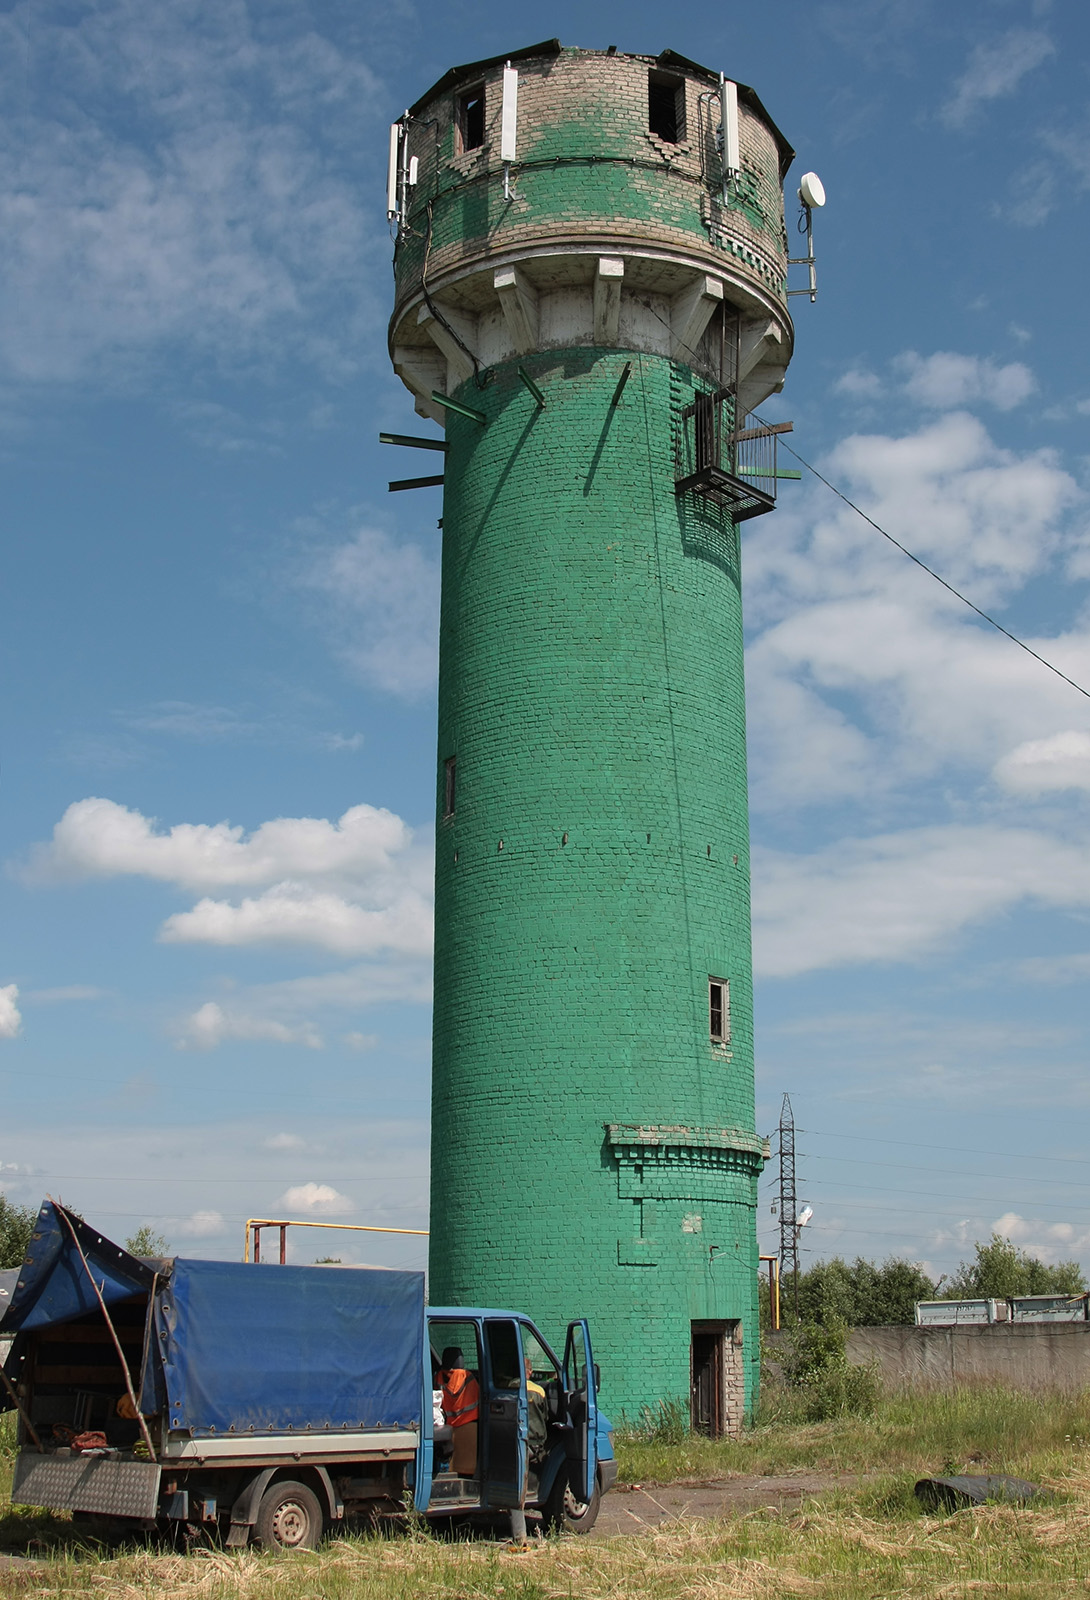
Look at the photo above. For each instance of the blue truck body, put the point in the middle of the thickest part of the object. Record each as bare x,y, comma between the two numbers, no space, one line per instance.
277,1400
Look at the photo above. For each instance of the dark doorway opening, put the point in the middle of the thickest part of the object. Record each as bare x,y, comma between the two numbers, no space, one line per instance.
706,1400
716,1382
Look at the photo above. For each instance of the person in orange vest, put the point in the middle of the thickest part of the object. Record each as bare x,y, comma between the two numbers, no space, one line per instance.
461,1409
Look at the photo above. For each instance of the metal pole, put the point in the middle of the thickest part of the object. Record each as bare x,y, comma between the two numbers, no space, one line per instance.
789,1232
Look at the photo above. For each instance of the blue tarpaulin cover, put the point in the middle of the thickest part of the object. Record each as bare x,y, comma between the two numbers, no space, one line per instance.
269,1348
53,1286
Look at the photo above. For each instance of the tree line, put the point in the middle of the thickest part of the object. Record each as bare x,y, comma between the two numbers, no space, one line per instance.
863,1294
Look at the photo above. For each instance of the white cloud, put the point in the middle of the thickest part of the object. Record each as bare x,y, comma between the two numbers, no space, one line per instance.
284,1141
342,742
183,175
1061,761
211,1025
292,913
317,1199
858,383
1072,968
384,600
361,1041
861,671
189,721
947,380
351,989
1074,146
99,838
994,69
10,1020
899,896
1029,196
199,1225
63,995
1048,1241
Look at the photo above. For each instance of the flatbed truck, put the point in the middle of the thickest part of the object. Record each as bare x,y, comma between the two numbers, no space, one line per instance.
276,1402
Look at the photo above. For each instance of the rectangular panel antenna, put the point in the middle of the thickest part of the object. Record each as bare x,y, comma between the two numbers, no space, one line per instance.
509,115
392,208
732,155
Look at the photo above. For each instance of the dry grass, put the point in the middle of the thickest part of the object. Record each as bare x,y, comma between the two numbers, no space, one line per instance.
826,1554
859,1543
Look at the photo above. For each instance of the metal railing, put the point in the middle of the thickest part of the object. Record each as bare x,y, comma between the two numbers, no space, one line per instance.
735,468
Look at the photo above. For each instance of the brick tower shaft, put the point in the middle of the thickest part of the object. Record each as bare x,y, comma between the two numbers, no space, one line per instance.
600,311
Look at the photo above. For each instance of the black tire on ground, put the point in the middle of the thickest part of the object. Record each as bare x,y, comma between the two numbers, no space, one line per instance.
289,1518
565,1511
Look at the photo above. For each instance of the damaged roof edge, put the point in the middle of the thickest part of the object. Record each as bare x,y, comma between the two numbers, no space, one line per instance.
748,96
547,47
666,58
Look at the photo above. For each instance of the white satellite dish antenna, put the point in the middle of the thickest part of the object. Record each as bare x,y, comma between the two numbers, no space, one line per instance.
812,195
804,1216
811,190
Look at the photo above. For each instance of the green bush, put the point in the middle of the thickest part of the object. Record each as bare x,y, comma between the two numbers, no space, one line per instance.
821,1382
146,1242
16,1227
861,1293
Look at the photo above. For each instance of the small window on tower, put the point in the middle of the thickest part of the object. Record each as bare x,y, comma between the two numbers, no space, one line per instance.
719,1010
448,786
666,106
471,118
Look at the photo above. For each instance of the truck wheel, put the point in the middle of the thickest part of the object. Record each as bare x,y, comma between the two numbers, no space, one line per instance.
564,1510
288,1518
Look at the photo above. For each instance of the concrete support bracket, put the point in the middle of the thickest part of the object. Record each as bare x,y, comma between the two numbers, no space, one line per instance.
607,299
421,371
442,336
519,303
690,314
758,341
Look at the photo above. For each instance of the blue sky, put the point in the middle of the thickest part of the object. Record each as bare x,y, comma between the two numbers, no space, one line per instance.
217,748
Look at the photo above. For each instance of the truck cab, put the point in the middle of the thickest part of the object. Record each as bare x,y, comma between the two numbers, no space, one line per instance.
557,1462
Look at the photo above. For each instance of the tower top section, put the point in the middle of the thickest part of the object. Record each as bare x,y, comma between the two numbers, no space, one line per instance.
558,198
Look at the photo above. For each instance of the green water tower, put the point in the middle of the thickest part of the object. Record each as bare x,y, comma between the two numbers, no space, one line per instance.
591,296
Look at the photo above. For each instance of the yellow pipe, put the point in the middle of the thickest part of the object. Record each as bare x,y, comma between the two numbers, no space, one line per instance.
297,1222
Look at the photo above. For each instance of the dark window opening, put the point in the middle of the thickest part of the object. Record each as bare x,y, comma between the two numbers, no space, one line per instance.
471,118
666,106
448,786
719,1010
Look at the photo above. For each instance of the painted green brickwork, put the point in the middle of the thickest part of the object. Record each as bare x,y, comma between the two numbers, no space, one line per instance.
588,163
594,874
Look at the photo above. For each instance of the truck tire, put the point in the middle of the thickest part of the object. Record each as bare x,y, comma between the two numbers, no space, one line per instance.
565,1511
288,1518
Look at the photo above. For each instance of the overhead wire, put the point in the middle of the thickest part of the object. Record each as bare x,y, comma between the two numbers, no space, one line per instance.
903,548
954,1149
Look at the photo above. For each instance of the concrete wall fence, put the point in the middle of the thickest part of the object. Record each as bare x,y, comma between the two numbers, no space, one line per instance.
1018,1355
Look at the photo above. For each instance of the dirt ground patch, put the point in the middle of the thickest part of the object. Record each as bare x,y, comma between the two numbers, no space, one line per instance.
629,1507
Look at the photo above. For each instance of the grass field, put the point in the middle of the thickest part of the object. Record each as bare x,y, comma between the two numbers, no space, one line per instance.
858,1542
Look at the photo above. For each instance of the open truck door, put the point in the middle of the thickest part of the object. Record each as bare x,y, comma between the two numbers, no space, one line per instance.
504,1413
580,1383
